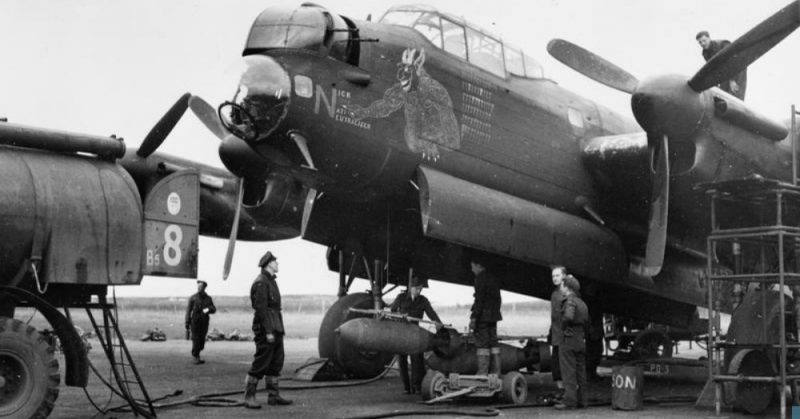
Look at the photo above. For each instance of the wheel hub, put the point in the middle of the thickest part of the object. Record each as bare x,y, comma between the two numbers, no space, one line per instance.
13,378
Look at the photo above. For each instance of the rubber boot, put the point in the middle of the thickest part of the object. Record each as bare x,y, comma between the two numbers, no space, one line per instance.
274,395
483,361
250,387
496,364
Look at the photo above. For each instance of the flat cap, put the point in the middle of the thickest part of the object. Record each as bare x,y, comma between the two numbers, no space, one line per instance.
266,259
200,281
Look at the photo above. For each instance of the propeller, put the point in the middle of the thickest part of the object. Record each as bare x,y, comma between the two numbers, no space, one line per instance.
592,65
659,210
163,127
226,270
669,108
208,116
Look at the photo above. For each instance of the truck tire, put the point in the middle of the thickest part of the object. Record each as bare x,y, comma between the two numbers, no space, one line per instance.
29,376
354,362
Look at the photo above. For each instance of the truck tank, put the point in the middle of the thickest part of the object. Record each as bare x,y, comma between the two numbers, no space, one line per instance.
77,216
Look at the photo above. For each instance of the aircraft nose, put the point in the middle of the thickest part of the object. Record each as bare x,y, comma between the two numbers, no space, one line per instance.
261,101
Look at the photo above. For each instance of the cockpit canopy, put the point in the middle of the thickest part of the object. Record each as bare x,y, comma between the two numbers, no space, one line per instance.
465,41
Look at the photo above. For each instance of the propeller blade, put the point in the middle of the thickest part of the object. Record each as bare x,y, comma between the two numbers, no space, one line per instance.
226,270
208,116
659,209
592,65
748,48
163,127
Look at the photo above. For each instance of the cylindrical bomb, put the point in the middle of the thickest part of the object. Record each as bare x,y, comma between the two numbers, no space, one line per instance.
466,362
385,336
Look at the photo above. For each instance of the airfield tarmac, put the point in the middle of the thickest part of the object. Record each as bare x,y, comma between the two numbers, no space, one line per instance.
165,368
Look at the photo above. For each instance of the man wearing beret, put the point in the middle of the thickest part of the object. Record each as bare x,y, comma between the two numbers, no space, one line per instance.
572,349
265,297
197,318
413,304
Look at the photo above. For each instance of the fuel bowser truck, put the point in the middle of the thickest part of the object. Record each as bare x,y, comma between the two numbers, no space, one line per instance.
73,222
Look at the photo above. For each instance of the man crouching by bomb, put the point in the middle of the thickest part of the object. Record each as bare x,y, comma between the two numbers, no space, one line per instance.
265,298
484,317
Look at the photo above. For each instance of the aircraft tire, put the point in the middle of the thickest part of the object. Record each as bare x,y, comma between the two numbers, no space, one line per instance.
29,376
354,362
753,398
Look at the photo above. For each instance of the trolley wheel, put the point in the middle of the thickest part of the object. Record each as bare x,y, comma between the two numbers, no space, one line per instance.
751,397
29,375
514,388
652,343
353,361
434,385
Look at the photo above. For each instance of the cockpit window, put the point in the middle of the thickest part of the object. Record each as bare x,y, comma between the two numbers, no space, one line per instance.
465,41
428,25
485,52
514,62
455,42
401,17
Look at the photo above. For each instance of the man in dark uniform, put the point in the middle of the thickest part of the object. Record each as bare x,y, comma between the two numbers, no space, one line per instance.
197,317
572,351
265,297
736,86
413,304
556,336
484,318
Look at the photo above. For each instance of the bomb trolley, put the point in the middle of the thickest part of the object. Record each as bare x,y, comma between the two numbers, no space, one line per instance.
452,358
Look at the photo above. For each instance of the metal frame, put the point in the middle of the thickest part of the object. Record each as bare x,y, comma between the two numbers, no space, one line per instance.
772,193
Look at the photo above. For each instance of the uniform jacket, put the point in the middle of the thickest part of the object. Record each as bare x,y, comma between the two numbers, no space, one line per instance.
716,46
194,311
574,323
486,307
265,298
556,301
413,308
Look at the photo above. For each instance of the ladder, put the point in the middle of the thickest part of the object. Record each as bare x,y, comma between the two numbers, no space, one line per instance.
122,366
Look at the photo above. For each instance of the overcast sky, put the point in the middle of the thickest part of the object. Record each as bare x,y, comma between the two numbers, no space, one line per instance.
104,67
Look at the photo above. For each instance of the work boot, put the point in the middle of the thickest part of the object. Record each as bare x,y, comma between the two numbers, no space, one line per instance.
274,395
250,388
198,361
496,363
483,361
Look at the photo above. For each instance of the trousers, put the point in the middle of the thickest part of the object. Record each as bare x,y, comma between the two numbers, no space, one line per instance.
199,331
268,359
417,370
573,373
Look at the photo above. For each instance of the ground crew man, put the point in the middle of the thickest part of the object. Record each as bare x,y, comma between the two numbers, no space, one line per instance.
556,336
265,298
736,86
413,304
198,310
484,318
572,351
